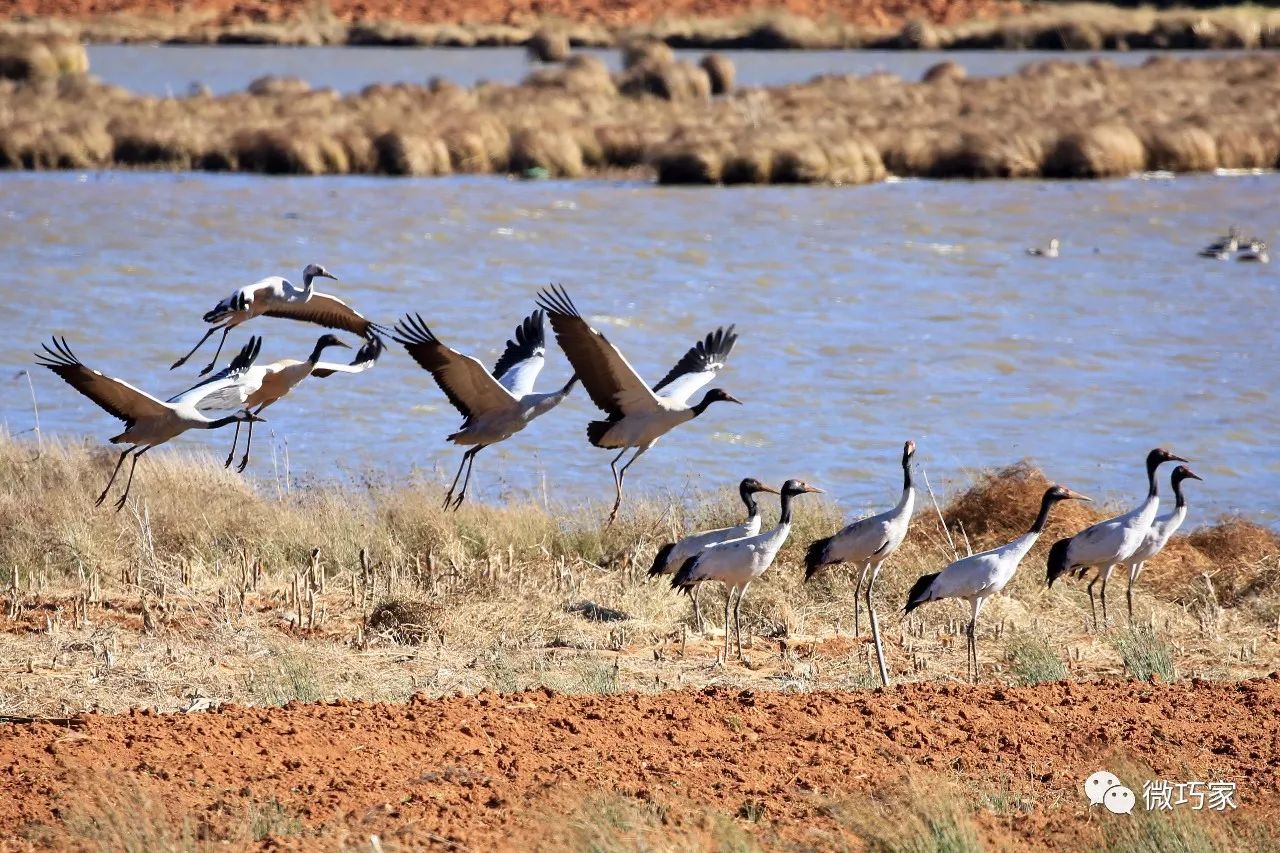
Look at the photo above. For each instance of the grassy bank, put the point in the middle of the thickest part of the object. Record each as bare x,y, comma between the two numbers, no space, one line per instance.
206,589
1012,26
659,117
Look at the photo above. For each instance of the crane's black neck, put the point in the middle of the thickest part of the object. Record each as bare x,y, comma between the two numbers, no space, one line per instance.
1045,505
568,386
785,516
1177,491
315,353
702,406
907,483
221,422
307,278
1153,489
749,498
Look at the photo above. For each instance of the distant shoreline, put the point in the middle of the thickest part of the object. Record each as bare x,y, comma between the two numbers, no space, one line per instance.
1084,26
676,121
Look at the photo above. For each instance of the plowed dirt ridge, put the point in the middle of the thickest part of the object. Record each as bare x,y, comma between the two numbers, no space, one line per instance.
486,771
610,12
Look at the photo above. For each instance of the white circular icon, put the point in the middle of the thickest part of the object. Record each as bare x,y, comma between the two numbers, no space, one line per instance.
1119,800
1096,786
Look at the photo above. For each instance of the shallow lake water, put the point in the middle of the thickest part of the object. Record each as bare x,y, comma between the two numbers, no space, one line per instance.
867,316
170,70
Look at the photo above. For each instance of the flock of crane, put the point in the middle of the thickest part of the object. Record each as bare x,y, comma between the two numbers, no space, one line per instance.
499,403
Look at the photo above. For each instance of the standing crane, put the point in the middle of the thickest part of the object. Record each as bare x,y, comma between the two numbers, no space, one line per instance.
1160,532
673,555
148,421
738,562
1109,542
978,577
637,415
275,296
868,543
494,406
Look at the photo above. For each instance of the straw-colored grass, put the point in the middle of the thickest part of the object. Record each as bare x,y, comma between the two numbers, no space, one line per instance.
575,119
114,610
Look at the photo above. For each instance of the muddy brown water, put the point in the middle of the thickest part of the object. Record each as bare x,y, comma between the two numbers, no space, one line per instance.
867,316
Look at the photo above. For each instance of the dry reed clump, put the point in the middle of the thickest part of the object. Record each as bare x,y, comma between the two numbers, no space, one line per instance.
947,71
646,51
1002,504
720,72
671,81
271,84
1107,151
41,58
548,45
406,620
553,150
411,154
1183,148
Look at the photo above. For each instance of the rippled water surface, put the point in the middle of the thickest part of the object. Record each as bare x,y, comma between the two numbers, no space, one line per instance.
867,316
170,70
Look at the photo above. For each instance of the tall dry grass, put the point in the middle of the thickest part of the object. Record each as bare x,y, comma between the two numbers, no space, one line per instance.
658,116
368,589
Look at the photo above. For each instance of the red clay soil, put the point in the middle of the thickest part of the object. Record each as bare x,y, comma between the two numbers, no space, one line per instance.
875,13
491,772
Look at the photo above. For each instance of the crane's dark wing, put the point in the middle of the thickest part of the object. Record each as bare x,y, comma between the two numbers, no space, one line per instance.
697,367
609,378
521,362
463,379
115,396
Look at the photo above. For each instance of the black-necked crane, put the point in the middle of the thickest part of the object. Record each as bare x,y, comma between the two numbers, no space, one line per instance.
1109,542
1050,251
978,577
638,415
1222,248
275,296
738,562
673,555
1160,532
277,379
148,421
1255,252
868,543
494,406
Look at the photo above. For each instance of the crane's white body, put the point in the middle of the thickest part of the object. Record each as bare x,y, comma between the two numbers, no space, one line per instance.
253,300
978,577
637,414
1160,532
494,406
691,545
738,562
868,542
1115,539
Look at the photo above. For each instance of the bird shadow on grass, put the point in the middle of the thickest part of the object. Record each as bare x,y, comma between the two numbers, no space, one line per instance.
593,612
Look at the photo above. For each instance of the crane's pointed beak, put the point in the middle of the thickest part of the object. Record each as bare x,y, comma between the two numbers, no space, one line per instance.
732,399
327,274
1178,458
769,489
343,343
814,490
1076,496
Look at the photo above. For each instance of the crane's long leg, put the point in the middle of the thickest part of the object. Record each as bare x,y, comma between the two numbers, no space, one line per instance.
857,600
467,479
248,442
102,497
214,363
728,599
1093,609
617,483
234,441
973,635
1135,569
1102,594
448,498
875,629
622,473
129,483
698,621
737,618
208,334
